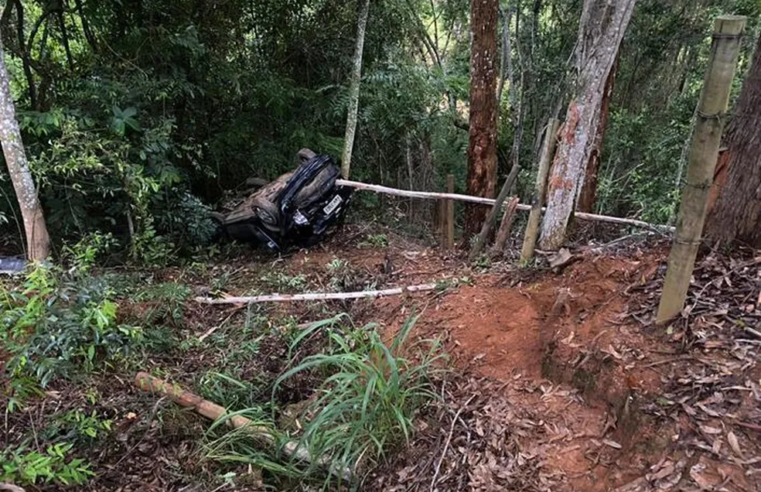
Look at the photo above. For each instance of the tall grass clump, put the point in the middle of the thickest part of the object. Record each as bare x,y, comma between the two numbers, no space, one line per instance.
365,405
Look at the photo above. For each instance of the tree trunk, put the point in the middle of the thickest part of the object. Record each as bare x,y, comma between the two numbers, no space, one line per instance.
602,27
736,216
356,77
588,195
482,144
38,242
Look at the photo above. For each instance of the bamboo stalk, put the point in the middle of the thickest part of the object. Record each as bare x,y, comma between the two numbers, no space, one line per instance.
534,218
490,201
702,162
316,296
212,411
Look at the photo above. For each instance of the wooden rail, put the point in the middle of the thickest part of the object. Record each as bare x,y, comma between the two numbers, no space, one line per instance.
430,195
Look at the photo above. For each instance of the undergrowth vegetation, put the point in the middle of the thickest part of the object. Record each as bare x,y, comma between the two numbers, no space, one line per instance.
361,410
70,331
62,322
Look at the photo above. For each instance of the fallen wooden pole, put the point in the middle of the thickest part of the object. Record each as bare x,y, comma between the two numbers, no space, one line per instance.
326,296
212,411
430,195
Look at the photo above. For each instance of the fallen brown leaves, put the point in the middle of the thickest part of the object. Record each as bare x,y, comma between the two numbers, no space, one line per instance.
713,380
468,441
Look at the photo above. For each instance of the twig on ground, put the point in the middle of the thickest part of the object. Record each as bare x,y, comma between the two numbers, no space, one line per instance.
211,330
752,331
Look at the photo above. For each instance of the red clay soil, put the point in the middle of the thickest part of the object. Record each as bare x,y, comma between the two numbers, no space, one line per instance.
559,345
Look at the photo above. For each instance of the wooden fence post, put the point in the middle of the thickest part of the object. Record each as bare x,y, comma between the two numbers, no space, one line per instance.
534,218
449,243
704,151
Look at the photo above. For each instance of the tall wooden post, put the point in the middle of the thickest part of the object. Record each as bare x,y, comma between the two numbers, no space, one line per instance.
704,152
450,214
535,216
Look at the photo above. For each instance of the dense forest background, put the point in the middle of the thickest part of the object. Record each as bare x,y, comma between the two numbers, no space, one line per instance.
139,115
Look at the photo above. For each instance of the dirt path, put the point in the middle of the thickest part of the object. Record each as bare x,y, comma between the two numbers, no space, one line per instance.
568,354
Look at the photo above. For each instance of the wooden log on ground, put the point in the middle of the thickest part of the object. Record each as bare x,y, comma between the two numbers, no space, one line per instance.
326,296
212,411
490,201
504,228
535,216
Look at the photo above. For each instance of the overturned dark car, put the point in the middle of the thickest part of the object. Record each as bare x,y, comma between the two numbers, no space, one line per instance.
295,210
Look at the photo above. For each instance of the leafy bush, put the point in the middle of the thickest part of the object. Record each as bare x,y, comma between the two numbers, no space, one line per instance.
53,466
60,321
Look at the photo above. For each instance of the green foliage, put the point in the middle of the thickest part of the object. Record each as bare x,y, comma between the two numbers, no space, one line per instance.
364,407
165,303
375,241
155,110
58,321
282,282
360,412
227,390
80,426
51,467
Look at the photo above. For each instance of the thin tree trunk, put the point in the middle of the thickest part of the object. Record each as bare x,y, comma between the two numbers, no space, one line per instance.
588,195
25,53
737,212
85,25
38,241
482,144
506,63
356,77
537,200
65,38
602,27
503,234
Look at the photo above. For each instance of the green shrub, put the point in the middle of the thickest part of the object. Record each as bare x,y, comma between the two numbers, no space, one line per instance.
58,323
53,466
